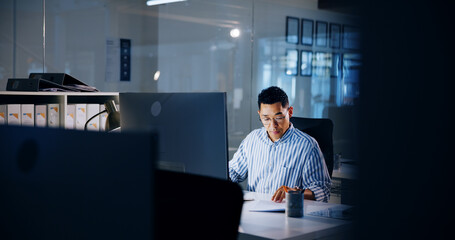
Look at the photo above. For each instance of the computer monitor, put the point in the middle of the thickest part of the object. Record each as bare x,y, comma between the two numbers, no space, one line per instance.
191,128
67,184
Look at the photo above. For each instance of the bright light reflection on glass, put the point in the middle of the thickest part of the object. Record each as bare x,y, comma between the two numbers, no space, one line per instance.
235,33
156,76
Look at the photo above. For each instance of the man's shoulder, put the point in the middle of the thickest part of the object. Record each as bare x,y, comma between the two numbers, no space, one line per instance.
256,133
254,137
303,137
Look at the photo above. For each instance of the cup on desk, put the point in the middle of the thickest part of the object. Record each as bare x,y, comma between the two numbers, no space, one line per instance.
294,204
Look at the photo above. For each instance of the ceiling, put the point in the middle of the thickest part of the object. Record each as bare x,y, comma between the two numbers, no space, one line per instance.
351,7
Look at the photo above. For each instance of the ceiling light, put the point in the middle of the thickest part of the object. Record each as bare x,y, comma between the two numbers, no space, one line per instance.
158,2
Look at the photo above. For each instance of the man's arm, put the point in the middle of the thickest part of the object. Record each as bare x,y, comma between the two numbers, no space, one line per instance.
238,167
316,176
316,179
308,194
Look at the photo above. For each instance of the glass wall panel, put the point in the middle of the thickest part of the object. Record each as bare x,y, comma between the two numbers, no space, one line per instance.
233,46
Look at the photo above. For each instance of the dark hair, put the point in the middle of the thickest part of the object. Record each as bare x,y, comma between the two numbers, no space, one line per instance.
273,95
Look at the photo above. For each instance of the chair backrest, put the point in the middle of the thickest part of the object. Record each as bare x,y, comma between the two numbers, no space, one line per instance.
320,129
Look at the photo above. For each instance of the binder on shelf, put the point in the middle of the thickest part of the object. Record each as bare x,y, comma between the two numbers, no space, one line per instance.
81,116
103,117
94,124
34,85
53,115
14,114
40,115
3,114
64,80
28,115
70,119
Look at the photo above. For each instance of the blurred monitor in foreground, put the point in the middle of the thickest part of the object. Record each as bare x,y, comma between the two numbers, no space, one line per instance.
65,184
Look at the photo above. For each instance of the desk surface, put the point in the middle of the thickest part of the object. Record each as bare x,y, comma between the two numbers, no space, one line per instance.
276,225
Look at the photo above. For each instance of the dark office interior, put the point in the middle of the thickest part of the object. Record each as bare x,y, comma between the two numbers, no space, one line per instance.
390,99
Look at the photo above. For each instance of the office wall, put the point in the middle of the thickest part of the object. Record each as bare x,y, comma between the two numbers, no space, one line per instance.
75,37
310,95
197,53
189,43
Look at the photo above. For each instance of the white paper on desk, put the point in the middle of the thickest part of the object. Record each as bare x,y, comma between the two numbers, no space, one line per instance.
338,211
248,196
268,206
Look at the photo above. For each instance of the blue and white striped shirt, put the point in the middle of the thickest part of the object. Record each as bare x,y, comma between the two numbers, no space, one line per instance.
294,160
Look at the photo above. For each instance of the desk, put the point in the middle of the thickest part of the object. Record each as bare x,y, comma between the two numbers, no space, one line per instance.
276,225
344,183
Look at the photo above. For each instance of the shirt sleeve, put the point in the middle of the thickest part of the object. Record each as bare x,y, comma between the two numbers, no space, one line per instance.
238,166
316,176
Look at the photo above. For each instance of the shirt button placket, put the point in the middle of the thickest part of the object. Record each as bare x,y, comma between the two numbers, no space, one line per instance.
272,156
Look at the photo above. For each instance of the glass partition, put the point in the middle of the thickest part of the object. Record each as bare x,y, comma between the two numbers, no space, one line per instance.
235,46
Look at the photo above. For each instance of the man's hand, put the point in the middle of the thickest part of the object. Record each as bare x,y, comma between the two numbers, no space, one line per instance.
280,193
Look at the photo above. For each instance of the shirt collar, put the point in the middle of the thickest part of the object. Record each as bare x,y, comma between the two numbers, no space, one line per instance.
284,138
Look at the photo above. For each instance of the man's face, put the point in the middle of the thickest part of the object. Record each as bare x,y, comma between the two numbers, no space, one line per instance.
275,119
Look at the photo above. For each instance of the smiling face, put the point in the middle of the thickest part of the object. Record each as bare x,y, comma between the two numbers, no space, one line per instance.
275,119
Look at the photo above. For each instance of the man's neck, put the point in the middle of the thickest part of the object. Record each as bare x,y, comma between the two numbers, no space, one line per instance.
281,135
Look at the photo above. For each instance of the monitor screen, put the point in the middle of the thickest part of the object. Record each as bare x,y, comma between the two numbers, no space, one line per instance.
67,184
191,128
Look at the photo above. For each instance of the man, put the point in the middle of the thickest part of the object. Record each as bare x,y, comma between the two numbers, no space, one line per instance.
279,157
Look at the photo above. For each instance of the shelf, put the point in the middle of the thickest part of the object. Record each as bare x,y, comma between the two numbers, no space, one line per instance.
62,98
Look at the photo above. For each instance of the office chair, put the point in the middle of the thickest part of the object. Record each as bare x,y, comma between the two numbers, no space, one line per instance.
320,129
190,206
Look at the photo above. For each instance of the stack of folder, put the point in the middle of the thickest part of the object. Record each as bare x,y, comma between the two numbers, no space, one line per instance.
48,115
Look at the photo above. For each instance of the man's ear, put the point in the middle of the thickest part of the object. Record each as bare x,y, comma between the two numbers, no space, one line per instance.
290,111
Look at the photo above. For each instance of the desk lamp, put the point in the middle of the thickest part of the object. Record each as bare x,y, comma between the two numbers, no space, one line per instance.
113,117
